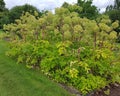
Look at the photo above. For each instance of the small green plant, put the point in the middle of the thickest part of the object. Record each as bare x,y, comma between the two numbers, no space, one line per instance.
107,92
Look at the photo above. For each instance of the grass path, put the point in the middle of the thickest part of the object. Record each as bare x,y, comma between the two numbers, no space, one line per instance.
16,80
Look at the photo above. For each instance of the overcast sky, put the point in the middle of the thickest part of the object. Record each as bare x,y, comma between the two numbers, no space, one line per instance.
51,4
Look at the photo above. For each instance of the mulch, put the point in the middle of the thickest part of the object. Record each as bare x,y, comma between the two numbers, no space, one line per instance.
111,90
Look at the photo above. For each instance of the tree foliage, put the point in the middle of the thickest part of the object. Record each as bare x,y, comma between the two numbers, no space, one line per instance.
3,14
90,11
84,8
114,13
17,11
113,10
2,5
117,4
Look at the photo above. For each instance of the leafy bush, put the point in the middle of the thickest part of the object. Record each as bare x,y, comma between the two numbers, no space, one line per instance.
69,49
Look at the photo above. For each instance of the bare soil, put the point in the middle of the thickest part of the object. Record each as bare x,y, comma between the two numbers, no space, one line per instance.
111,90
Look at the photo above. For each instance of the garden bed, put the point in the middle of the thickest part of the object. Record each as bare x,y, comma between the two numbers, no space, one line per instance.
111,90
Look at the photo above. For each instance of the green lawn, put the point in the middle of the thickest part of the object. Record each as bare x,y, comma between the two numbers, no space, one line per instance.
17,80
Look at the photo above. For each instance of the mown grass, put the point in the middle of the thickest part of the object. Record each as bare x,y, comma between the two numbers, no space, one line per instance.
17,80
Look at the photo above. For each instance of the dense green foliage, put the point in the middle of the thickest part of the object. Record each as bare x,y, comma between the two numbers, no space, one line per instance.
16,80
69,49
2,5
84,8
17,11
88,10
115,6
113,11
3,14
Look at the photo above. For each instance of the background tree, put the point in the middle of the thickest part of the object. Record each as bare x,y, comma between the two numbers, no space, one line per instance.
90,11
3,14
2,5
117,4
114,13
84,8
113,10
17,11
